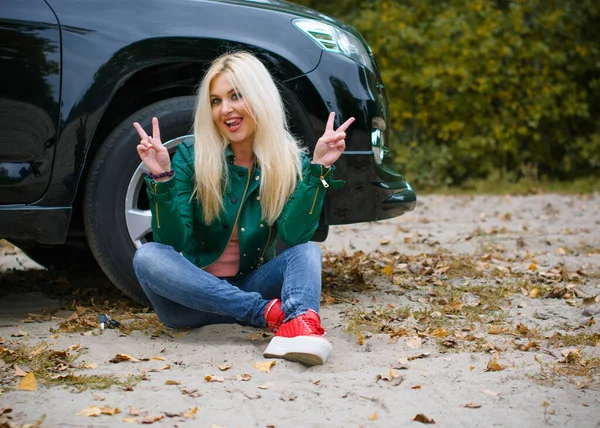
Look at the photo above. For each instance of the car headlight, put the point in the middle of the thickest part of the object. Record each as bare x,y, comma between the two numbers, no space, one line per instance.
335,39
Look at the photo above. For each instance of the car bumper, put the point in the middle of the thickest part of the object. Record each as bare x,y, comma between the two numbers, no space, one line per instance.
373,190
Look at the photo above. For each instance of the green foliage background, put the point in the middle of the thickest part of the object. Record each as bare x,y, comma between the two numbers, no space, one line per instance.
496,90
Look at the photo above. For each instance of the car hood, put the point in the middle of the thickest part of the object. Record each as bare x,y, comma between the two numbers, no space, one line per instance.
291,8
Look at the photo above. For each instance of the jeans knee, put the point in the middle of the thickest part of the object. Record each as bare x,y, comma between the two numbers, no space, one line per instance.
312,251
308,249
145,256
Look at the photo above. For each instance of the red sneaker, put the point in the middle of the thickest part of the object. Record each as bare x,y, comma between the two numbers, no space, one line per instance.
274,315
301,340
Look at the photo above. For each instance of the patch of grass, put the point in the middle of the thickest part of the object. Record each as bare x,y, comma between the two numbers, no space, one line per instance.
463,267
579,339
521,187
54,367
378,320
80,383
583,372
344,272
147,322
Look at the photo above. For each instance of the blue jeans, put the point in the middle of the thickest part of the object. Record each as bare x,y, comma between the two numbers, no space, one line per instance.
185,296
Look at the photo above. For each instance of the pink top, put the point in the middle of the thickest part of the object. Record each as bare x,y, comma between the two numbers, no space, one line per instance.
229,262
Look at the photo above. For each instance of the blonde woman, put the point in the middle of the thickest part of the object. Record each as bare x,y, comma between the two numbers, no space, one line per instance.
218,207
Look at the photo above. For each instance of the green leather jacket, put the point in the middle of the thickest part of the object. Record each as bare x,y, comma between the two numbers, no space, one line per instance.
177,219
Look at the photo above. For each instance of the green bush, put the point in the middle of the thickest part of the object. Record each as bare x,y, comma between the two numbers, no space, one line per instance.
486,89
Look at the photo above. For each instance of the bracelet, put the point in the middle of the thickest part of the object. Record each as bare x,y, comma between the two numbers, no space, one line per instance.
170,173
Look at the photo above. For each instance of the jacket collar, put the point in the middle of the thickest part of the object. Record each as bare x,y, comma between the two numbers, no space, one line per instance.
230,157
229,154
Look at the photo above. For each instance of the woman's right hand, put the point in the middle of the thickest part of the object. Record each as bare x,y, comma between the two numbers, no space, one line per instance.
154,155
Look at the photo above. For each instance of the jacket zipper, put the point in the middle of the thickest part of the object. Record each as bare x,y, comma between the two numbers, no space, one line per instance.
261,259
325,185
156,209
237,216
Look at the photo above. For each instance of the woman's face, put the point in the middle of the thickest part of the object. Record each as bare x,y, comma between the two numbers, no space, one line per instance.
230,112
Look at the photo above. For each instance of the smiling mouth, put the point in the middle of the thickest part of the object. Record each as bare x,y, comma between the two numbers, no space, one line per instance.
234,124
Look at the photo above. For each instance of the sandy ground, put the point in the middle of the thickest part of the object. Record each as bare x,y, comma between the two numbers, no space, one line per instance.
412,331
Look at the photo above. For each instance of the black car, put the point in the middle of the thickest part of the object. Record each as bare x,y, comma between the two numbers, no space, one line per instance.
75,75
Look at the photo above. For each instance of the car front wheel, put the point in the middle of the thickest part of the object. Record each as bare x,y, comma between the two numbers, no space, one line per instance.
116,210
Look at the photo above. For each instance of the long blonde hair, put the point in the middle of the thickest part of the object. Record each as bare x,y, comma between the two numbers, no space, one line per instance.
276,150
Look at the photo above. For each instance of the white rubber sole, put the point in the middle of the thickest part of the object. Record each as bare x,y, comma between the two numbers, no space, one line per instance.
308,350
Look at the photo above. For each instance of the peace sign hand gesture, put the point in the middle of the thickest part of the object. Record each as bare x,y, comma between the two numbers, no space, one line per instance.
332,144
154,155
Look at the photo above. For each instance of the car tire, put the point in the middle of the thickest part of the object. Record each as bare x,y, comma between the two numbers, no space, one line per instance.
107,184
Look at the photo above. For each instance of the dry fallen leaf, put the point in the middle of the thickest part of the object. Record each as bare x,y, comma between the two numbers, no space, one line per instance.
401,364
91,411
423,419
415,387
388,271
133,411
264,366
494,329
439,333
194,393
28,383
109,410
360,338
414,343
37,351
224,367
150,419
124,357
418,357
571,355
327,299
581,384
128,420
471,406
384,241
98,397
90,366
154,357
172,382
167,367
591,300
393,378
244,377
75,347
212,378
490,392
530,345
534,293
373,416
522,329
265,385
191,413
19,371
72,317
494,366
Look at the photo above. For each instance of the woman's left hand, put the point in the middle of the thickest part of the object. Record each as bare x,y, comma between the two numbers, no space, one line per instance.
332,144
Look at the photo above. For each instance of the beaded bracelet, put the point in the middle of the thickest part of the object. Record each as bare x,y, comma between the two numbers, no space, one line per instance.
170,173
